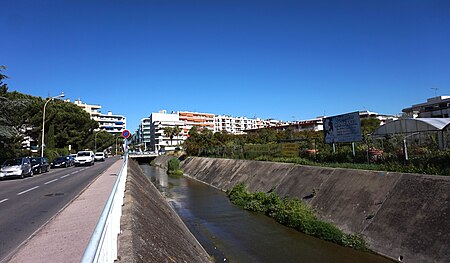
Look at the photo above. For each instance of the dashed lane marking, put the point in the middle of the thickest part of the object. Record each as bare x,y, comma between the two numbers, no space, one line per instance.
64,176
49,182
31,189
4,200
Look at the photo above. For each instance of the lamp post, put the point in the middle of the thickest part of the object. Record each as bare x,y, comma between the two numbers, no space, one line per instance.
43,120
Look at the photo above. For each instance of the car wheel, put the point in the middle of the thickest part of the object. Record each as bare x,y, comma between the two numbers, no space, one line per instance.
31,173
39,171
22,175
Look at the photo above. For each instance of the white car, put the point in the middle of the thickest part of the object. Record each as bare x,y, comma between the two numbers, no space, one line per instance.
84,158
19,167
99,156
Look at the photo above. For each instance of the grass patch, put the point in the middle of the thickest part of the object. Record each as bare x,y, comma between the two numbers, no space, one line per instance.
176,173
293,213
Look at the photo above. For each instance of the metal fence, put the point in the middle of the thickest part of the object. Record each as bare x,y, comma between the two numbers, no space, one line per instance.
103,244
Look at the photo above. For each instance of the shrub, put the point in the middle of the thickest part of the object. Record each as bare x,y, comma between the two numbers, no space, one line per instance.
173,167
293,213
173,164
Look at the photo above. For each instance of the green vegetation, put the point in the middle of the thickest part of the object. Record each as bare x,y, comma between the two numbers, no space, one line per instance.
293,213
173,167
308,148
172,132
65,124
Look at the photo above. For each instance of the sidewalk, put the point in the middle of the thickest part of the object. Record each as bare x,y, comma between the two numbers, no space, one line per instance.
65,237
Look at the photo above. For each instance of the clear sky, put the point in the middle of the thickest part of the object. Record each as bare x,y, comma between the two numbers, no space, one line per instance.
271,59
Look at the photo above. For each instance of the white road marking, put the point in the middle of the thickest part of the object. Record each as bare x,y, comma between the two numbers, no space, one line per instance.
4,200
74,172
49,182
31,189
64,176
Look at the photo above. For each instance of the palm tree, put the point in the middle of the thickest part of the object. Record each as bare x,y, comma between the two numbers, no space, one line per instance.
176,132
169,132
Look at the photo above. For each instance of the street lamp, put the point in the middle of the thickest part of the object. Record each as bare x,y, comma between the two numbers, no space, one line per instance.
43,119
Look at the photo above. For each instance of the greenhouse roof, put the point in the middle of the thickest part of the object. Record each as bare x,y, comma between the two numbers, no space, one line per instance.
412,125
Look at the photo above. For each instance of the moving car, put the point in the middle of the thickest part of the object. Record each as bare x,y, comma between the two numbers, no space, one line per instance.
39,165
18,167
62,161
99,156
84,158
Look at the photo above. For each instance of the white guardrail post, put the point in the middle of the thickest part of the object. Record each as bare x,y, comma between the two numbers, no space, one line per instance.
103,244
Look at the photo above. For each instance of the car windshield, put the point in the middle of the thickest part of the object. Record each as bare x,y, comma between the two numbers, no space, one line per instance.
99,154
34,160
12,162
60,159
83,154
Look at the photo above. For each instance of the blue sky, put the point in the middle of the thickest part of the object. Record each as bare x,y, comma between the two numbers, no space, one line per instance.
271,59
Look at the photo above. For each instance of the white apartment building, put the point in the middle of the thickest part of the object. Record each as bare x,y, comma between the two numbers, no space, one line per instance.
92,109
109,122
158,139
112,123
234,125
143,135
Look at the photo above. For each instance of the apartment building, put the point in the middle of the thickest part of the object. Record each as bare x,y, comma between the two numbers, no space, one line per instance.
234,125
158,139
112,123
143,134
436,107
383,118
197,119
92,109
150,134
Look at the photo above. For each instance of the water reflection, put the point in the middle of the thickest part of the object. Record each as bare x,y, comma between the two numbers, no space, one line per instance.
231,234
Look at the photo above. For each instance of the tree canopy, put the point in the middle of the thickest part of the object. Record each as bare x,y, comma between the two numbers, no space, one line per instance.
65,124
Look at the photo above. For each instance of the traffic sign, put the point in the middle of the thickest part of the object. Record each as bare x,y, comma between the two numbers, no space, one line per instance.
126,134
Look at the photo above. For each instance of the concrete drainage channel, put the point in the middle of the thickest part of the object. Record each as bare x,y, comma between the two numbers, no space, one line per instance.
391,210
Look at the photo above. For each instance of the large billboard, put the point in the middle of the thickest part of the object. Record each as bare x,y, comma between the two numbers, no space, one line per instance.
342,128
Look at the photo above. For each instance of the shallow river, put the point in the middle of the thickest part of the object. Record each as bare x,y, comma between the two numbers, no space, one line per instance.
231,234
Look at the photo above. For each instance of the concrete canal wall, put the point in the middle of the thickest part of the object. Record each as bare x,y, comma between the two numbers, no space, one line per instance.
399,214
151,229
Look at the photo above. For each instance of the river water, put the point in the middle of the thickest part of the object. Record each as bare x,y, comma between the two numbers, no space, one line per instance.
231,234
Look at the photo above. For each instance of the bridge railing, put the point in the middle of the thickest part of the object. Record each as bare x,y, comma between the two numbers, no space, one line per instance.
103,244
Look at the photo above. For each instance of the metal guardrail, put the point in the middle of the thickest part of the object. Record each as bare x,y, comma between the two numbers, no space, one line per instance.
103,244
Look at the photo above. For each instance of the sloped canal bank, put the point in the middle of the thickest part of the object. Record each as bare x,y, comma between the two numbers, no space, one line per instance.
231,234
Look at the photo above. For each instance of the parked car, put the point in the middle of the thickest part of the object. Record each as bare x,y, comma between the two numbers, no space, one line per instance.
39,165
63,161
84,158
18,167
71,160
99,156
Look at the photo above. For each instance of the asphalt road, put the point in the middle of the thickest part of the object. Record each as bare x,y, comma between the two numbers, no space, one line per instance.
27,204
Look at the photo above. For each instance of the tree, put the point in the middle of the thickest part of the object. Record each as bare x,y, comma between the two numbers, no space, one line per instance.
176,132
3,86
169,132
